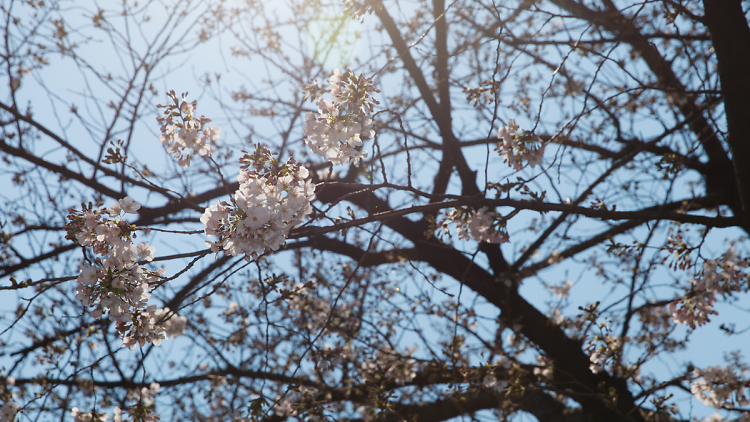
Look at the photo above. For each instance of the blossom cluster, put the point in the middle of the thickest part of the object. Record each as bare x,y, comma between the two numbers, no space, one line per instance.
79,416
744,417
183,134
342,122
723,276
481,225
518,147
563,290
114,281
544,369
499,363
390,365
272,199
718,387
143,411
385,365
604,350
152,325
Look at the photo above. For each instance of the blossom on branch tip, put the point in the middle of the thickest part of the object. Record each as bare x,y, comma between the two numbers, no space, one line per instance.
518,147
481,225
272,199
719,387
344,122
183,134
129,206
114,282
604,351
718,277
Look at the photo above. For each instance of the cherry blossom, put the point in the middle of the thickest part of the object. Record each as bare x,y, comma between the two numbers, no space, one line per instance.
519,147
174,325
744,417
272,199
115,282
387,364
489,381
9,411
79,416
183,134
343,123
140,412
545,369
129,206
481,225
145,252
605,350
563,290
719,387
718,277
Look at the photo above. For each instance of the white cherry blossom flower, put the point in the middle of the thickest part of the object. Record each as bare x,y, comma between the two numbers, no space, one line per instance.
146,252
115,209
129,206
9,411
117,414
489,381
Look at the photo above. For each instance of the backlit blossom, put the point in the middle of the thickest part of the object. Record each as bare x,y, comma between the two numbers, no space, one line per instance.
183,134
174,325
272,199
115,209
116,284
518,147
145,252
341,124
9,411
718,277
481,225
129,206
719,387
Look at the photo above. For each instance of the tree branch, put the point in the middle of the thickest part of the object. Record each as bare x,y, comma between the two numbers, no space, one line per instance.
731,40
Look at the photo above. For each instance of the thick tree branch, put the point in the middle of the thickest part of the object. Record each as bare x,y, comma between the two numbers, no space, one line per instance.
731,40
573,365
452,146
17,115
62,171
